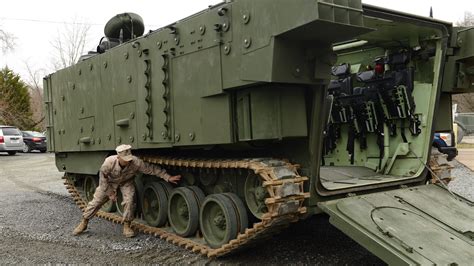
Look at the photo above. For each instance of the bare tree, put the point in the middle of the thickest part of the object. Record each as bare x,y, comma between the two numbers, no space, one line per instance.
465,101
468,20
6,113
7,41
70,44
33,81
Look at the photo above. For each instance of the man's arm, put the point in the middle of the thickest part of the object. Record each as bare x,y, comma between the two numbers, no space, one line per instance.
152,169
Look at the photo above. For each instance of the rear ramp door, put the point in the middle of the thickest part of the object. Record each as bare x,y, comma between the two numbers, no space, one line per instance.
420,225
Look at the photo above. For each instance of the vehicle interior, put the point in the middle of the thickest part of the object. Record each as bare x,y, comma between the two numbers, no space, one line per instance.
381,104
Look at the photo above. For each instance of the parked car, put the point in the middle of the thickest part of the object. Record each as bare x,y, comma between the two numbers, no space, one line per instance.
465,122
445,143
34,141
11,139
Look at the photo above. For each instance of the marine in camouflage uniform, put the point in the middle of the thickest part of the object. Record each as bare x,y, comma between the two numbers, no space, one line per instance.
118,171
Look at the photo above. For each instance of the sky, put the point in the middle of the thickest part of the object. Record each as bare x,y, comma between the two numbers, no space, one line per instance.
35,24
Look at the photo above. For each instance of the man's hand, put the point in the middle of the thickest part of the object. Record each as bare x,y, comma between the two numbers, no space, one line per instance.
174,179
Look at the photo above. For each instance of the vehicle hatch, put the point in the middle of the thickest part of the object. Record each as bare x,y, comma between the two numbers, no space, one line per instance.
420,225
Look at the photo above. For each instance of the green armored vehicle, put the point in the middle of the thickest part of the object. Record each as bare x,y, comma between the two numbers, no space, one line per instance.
273,111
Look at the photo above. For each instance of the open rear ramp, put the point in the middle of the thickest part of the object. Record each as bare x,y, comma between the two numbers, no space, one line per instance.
419,225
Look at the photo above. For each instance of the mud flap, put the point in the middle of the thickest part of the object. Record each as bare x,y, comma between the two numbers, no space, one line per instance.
420,225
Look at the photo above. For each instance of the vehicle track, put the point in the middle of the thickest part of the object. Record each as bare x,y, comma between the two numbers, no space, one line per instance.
284,203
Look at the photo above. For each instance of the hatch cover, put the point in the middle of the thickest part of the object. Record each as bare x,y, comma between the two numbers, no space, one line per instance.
420,225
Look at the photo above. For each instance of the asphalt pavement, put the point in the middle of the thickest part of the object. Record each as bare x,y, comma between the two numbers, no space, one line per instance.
466,157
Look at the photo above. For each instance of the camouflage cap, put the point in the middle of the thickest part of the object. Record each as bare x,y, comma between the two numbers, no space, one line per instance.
124,152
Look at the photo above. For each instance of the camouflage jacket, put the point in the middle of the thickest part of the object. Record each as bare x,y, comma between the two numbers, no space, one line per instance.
111,171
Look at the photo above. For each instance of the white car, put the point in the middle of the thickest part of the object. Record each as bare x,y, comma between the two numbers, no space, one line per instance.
11,140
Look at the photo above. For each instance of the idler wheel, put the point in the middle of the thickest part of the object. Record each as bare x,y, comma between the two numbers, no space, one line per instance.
255,195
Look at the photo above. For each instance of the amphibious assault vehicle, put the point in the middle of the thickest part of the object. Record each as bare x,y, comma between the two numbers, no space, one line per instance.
273,111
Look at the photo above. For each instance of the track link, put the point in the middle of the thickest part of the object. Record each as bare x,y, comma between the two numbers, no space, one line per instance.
284,201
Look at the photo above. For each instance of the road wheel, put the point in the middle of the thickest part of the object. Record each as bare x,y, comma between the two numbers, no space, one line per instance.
109,206
90,184
42,151
198,193
118,203
241,211
219,220
26,148
11,152
155,204
183,211
167,187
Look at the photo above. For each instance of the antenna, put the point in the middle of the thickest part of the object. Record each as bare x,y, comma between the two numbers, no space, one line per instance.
431,12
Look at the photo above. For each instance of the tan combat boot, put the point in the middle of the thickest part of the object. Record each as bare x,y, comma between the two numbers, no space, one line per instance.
81,227
128,231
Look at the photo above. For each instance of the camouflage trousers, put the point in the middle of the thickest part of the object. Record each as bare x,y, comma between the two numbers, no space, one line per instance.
102,194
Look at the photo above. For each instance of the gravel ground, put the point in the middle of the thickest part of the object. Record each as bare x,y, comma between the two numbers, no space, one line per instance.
463,183
38,216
